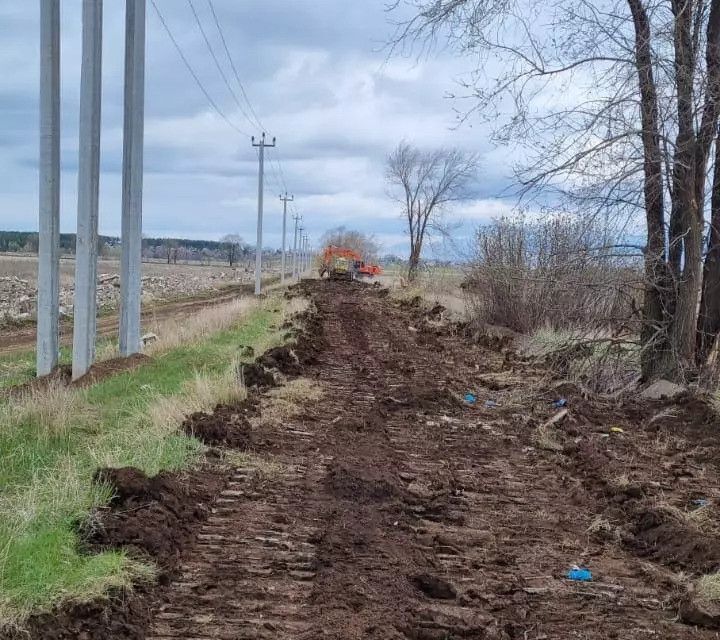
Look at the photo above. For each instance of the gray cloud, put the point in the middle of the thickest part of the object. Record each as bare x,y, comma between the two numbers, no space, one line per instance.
319,80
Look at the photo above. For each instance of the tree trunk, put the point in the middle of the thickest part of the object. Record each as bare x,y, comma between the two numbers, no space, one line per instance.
708,325
655,348
684,227
709,318
414,262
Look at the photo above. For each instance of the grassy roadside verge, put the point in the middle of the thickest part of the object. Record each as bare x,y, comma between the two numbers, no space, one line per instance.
52,443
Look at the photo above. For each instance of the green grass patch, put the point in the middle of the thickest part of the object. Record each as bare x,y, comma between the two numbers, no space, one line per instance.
19,368
51,445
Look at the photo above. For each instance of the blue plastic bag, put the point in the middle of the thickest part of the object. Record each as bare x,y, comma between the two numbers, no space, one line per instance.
579,575
470,398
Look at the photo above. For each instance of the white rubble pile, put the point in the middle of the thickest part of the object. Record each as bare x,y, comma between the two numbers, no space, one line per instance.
18,297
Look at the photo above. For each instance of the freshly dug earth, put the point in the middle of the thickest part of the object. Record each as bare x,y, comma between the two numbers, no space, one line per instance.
227,426
155,517
62,376
391,509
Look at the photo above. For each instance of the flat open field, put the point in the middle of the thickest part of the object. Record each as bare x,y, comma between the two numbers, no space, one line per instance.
385,506
168,291
161,282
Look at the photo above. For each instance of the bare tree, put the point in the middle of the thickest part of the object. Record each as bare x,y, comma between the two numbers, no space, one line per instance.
364,244
426,183
170,250
615,104
232,245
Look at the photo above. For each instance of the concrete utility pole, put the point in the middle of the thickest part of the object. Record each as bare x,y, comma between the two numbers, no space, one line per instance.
297,217
48,301
133,135
285,200
86,251
261,188
299,252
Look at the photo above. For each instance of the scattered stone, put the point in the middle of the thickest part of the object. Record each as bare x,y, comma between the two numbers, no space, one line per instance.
663,390
149,338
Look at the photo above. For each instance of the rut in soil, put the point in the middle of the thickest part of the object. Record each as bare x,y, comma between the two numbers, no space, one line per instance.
395,510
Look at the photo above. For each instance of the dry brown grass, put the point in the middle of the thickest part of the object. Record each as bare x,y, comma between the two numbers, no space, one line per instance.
708,587
286,402
175,332
545,439
52,411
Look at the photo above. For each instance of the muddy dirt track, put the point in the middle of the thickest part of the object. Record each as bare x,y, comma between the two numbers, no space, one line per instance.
391,509
16,340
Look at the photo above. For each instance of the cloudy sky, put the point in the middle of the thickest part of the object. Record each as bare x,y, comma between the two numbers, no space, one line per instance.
318,78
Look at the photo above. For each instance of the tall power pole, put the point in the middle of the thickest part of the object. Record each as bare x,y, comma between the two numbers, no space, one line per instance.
48,301
85,305
261,191
299,252
131,261
297,217
285,199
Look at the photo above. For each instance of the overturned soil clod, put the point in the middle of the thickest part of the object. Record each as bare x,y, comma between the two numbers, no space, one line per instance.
434,587
671,539
256,376
152,516
283,359
226,426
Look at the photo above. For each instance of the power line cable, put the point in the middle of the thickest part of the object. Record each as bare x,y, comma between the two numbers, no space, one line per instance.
275,162
212,102
217,63
258,122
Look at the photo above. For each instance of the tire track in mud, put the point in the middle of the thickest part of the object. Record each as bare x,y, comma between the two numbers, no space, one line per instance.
401,513
250,572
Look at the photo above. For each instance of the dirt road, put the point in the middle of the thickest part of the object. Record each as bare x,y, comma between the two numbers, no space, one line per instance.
23,338
392,509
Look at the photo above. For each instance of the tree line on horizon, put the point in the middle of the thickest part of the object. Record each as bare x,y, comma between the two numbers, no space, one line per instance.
231,248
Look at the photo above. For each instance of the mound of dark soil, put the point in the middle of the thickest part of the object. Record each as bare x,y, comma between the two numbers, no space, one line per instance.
436,312
256,376
122,617
224,427
108,368
670,540
156,516
61,375
310,340
283,359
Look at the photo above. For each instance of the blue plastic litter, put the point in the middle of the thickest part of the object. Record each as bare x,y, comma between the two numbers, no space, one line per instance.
491,404
470,398
560,403
701,502
579,575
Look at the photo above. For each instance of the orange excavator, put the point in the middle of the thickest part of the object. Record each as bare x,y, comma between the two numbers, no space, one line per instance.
340,263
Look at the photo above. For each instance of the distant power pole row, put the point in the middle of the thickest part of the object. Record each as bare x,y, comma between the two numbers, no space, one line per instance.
84,305
285,199
261,145
298,252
